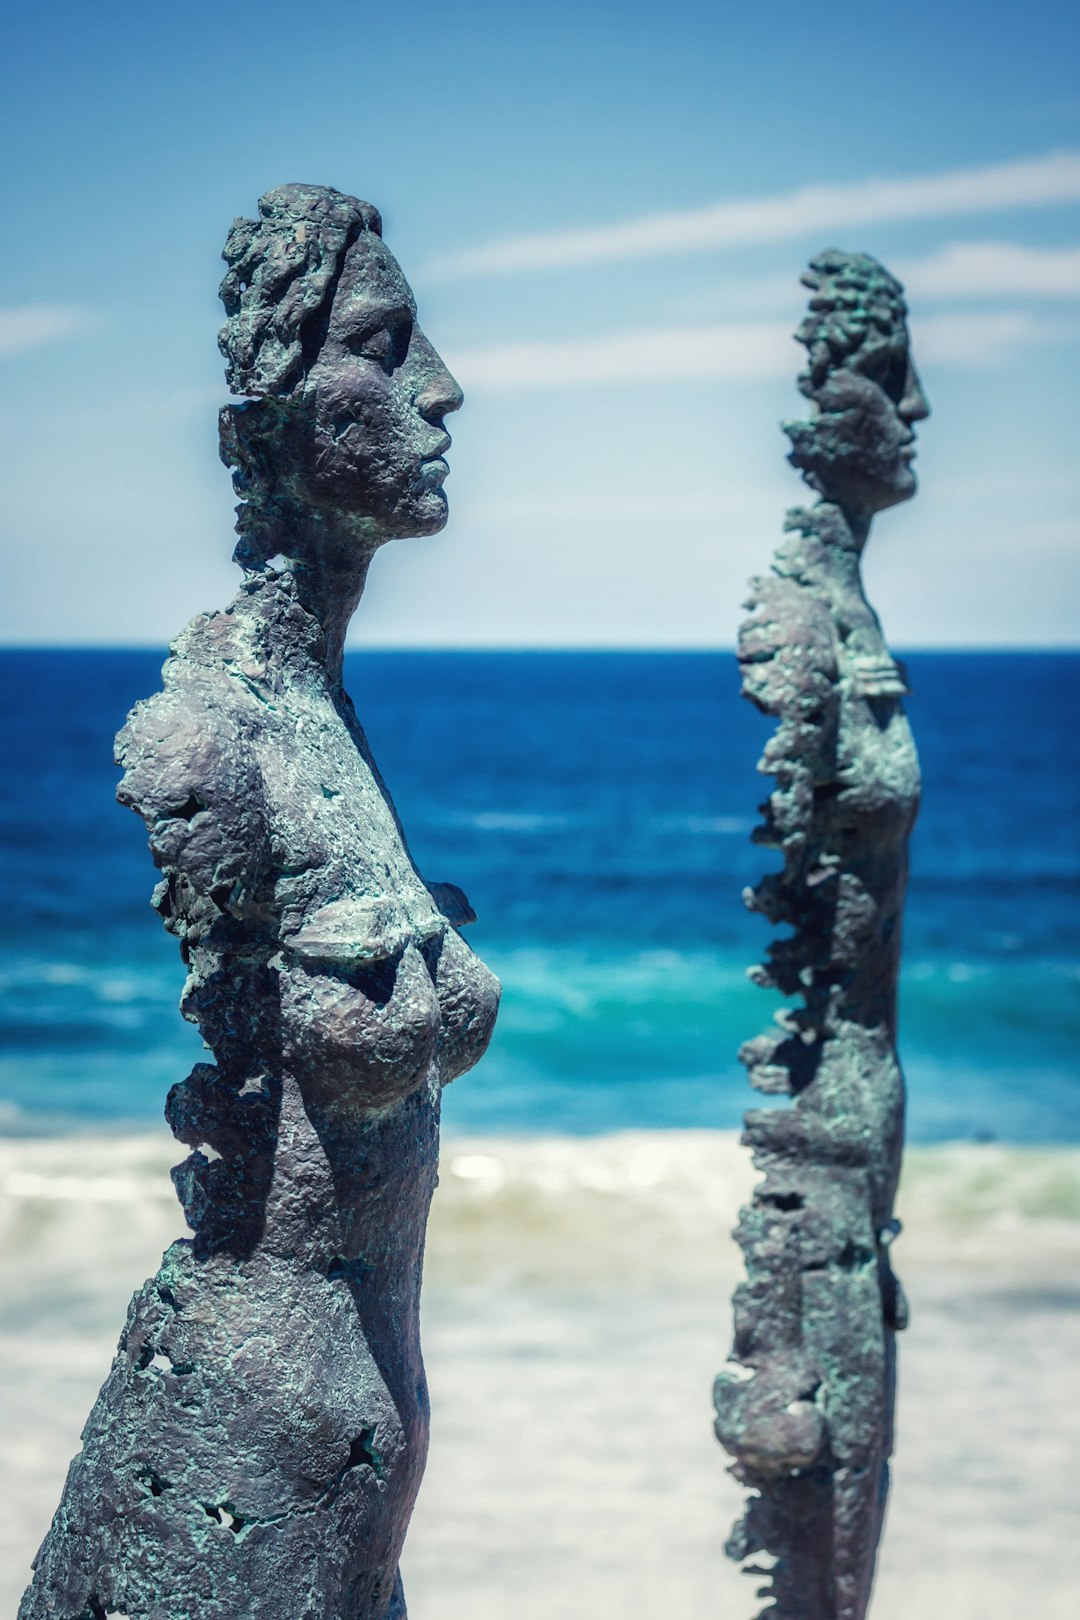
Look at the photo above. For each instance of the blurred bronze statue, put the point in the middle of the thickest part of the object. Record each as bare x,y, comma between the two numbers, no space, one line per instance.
805,1404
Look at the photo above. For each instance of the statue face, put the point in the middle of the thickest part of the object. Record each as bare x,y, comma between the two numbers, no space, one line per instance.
858,450
370,440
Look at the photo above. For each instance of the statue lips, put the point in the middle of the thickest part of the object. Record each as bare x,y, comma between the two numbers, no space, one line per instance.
434,467
432,473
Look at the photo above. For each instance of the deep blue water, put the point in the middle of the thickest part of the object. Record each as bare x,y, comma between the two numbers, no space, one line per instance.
596,808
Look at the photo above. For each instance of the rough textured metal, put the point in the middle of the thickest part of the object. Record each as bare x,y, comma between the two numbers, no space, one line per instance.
259,1442
805,1404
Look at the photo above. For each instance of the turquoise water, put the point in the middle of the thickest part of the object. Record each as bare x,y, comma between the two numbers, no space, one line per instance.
596,808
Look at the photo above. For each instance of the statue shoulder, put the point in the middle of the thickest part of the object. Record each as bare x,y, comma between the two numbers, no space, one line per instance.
188,739
787,649
190,770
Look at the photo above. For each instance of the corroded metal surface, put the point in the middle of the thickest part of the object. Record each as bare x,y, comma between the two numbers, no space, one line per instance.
260,1440
805,1404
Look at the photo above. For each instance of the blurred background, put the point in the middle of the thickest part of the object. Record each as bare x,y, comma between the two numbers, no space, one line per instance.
604,212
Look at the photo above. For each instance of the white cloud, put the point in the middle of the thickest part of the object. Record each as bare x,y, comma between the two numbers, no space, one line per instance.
624,506
732,352
28,326
982,340
993,269
646,355
1029,183
959,272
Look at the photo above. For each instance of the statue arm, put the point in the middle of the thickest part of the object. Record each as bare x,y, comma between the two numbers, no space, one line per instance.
190,773
787,659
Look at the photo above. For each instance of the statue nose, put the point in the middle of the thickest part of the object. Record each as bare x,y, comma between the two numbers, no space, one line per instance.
914,406
439,393
439,396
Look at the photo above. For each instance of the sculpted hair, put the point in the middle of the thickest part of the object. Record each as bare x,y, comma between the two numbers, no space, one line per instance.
277,292
282,271
857,319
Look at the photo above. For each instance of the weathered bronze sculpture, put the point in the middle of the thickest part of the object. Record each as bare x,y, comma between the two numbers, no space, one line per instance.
805,1404
260,1440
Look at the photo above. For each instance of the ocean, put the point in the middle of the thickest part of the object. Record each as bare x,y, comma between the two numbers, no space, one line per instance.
596,808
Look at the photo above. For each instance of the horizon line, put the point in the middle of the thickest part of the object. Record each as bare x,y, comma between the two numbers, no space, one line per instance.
597,648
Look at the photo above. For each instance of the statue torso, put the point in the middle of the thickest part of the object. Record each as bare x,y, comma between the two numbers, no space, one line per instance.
377,994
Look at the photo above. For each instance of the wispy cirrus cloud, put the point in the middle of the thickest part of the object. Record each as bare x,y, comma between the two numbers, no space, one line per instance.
732,351
1027,183
638,355
958,273
979,341
993,270
29,326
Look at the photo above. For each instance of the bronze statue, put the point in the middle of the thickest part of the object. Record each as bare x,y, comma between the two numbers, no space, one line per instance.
260,1440
805,1404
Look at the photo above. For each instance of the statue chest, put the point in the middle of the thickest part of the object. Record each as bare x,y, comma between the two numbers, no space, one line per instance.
376,982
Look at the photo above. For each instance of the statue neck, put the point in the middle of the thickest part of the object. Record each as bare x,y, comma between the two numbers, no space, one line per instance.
329,587
843,536
326,579
843,530
823,551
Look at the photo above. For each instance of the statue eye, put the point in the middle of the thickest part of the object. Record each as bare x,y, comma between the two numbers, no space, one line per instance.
386,345
895,381
889,369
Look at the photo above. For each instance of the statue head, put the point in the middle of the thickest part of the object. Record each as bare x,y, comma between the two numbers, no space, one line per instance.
858,448
339,440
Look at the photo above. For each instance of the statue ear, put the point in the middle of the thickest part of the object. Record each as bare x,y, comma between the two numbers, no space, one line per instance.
249,435
802,435
243,435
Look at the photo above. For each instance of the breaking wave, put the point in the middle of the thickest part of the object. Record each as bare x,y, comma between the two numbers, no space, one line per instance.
654,1207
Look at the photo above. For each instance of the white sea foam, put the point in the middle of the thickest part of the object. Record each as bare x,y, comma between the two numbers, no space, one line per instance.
509,821
64,973
718,826
120,990
636,1204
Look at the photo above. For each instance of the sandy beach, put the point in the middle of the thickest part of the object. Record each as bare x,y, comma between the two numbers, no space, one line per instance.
576,1308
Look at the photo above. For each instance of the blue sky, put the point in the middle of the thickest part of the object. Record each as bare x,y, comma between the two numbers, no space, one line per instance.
604,211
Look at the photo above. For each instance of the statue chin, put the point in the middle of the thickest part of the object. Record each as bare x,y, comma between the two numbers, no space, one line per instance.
847,475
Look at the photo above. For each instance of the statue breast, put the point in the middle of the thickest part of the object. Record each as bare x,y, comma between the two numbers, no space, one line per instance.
377,986
877,767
